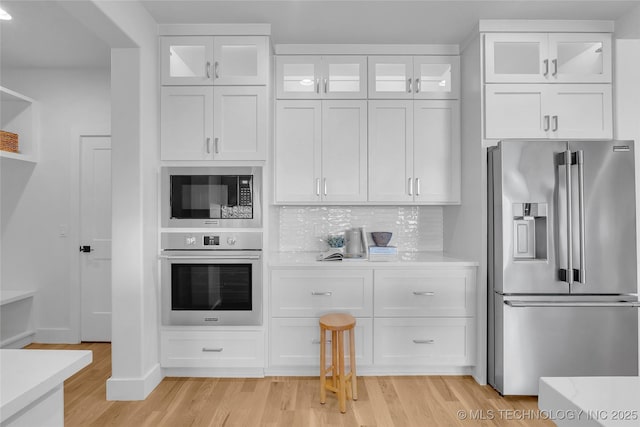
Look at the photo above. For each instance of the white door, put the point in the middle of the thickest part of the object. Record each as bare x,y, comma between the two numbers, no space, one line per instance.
516,111
391,151
390,77
580,57
298,77
344,151
95,238
186,60
240,123
436,77
186,126
298,145
240,60
344,77
436,151
516,58
581,111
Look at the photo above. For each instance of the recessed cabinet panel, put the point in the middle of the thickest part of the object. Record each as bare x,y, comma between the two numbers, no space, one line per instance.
186,123
240,123
516,58
298,151
240,60
582,111
186,60
515,111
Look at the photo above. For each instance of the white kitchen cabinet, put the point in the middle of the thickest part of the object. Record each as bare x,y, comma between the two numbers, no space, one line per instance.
211,349
321,151
296,342
425,293
548,111
321,77
414,77
206,123
214,60
404,342
547,57
414,151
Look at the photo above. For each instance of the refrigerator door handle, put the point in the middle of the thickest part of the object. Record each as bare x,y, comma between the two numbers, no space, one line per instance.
564,160
524,304
581,273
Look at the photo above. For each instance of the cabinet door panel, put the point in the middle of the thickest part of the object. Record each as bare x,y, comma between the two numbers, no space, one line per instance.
344,77
515,111
580,58
186,123
186,60
344,150
297,159
436,77
390,77
390,151
436,151
240,123
516,58
298,77
582,111
240,60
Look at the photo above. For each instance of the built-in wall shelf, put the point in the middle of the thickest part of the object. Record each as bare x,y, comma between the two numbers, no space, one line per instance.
16,318
19,114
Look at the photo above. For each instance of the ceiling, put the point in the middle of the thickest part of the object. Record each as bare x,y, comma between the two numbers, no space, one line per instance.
44,34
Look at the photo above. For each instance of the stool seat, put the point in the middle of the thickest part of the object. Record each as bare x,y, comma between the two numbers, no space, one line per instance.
337,321
345,385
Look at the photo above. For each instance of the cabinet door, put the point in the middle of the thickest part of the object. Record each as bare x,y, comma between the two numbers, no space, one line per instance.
436,77
298,77
344,151
390,151
581,111
240,60
516,58
390,77
580,57
516,111
240,123
186,125
186,60
297,158
344,77
436,151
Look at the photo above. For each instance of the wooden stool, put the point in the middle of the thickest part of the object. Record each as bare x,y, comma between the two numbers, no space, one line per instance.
345,385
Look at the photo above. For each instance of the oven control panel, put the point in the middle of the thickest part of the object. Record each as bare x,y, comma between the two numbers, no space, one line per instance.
239,240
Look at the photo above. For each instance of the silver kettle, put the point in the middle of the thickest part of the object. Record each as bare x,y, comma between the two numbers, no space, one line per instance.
355,244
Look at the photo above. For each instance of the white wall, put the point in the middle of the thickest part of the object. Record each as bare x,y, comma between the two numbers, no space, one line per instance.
37,200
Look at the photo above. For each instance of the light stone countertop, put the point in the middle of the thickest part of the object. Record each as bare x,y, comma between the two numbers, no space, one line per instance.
591,401
404,260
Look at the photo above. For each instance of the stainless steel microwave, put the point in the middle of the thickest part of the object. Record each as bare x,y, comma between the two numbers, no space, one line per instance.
211,197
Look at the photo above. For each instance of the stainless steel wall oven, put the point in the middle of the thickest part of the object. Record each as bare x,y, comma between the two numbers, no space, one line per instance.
212,278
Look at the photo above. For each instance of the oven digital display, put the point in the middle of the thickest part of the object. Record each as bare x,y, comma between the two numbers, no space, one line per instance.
211,240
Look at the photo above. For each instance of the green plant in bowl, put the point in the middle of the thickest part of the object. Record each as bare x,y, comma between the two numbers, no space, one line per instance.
335,241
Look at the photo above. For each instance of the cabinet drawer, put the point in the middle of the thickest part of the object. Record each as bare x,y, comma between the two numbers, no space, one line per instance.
312,293
204,349
296,342
416,342
424,293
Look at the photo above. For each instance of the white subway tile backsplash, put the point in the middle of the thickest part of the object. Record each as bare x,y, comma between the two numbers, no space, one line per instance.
414,228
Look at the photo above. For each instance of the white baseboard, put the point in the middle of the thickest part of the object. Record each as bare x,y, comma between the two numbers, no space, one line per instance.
56,336
134,388
305,371
18,341
214,372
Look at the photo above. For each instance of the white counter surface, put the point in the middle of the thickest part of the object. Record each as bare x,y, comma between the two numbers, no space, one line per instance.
27,375
405,259
591,401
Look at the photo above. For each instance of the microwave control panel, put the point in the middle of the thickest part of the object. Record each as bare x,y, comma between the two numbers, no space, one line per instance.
245,190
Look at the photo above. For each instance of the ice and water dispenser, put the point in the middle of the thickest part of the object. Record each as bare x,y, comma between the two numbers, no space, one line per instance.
530,231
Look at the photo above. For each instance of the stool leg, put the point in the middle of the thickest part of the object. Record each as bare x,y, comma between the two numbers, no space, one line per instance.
352,360
334,359
341,387
323,365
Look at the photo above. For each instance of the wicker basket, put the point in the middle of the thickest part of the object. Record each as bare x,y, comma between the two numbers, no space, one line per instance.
8,141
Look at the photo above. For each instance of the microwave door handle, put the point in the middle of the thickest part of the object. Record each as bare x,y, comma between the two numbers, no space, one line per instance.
582,270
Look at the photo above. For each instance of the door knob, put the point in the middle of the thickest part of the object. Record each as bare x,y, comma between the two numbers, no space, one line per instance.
85,249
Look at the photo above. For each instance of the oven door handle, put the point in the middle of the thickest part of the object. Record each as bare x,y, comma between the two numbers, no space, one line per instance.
210,257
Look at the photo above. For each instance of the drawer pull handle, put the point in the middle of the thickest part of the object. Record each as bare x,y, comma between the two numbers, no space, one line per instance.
212,350
211,319
326,294
424,341
318,341
423,293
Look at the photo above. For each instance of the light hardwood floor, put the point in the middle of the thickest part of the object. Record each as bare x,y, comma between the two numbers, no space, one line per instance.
290,401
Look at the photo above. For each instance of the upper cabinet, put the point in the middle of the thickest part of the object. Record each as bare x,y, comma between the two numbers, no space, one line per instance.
414,77
547,57
214,60
321,77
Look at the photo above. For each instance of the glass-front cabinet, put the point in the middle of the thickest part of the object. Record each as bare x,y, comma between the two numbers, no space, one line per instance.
548,58
414,77
209,60
321,77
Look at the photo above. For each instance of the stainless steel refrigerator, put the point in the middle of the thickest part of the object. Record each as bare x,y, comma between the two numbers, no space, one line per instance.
562,262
